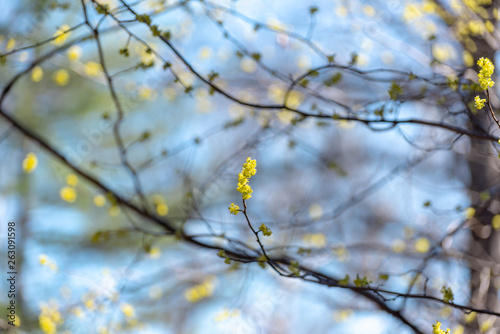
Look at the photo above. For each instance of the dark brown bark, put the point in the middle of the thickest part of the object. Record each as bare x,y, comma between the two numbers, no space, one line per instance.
484,167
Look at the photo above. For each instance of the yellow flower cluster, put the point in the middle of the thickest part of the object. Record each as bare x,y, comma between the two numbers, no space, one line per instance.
200,291
436,329
233,209
46,261
315,240
485,73
61,35
161,205
30,162
11,44
93,69
37,74
249,170
99,200
68,194
265,230
49,318
226,313
479,102
127,310
447,294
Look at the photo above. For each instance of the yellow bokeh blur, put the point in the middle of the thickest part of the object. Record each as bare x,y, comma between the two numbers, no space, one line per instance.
93,69
72,180
422,245
61,77
61,35
74,53
37,74
68,194
30,162
99,200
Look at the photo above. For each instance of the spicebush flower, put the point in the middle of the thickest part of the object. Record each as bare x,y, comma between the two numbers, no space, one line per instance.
479,103
234,209
249,170
485,73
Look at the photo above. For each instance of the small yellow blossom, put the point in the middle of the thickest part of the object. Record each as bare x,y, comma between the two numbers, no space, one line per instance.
469,213
155,253
200,291
248,65
275,24
429,6
442,52
316,240
17,321
68,194
89,302
170,94
162,209
30,162
436,329
495,222
146,93
368,10
49,318
53,266
265,230
46,261
225,314
61,77
114,211
422,245
342,315
294,99
72,180
78,312
342,254
37,74
286,116
11,44
234,209
468,59
47,325
205,52
315,211
103,330
489,26
249,170
447,294
485,73
398,246
42,258
276,93
411,12
341,11
99,200
160,205
469,317
74,53
93,69
459,329
486,325
479,102
61,35
127,309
